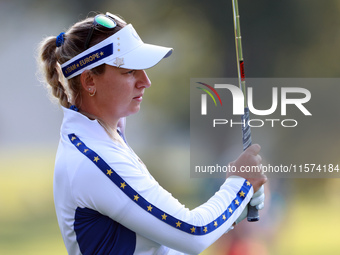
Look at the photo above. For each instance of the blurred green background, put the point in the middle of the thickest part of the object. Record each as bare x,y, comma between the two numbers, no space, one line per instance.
291,38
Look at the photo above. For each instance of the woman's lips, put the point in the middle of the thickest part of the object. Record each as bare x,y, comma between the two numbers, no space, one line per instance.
139,98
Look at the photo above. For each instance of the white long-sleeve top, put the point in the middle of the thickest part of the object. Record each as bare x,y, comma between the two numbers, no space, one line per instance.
107,202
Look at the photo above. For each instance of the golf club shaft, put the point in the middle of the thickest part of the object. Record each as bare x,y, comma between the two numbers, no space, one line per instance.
253,214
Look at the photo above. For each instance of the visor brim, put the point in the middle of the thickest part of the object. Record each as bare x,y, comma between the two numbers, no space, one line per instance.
143,57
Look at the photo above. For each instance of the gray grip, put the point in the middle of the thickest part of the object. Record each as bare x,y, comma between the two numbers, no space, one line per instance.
253,213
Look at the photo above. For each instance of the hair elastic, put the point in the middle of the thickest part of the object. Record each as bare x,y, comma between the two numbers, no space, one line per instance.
60,39
74,108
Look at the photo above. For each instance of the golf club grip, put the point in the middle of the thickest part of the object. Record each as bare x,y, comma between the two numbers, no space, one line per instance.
253,213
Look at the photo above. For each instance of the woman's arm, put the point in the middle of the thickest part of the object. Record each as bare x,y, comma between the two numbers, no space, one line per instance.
117,188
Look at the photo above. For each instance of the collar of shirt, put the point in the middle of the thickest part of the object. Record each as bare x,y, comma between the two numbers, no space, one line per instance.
82,126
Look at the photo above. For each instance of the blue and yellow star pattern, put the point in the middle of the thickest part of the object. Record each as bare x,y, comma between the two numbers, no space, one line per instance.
152,209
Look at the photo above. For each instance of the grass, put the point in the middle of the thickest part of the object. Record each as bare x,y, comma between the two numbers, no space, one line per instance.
28,223
311,227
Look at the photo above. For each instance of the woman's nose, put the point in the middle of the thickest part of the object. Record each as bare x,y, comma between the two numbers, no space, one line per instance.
143,79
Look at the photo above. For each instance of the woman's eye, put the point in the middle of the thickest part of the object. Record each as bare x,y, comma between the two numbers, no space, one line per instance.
130,72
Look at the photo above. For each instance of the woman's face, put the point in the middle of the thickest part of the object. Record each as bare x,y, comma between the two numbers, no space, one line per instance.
120,91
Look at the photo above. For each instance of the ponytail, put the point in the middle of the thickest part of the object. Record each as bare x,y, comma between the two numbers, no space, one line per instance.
52,70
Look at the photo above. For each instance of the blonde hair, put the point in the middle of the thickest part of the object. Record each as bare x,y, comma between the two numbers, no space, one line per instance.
68,92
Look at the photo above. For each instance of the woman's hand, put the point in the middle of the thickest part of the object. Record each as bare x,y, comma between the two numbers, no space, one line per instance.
251,159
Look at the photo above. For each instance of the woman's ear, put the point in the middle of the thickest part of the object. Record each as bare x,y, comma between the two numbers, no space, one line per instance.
87,81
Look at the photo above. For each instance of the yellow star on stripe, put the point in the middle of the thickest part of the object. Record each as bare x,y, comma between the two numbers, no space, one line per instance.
122,185
164,216
178,224
101,53
205,229
237,202
109,172
149,208
78,144
73,138
193,229
248,183
242,194
96,159
86,150
215,224
223,217
230,210
136,197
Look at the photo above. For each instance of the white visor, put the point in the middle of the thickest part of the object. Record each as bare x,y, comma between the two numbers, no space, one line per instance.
123,49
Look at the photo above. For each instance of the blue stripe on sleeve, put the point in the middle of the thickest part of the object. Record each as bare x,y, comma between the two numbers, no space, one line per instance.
152,209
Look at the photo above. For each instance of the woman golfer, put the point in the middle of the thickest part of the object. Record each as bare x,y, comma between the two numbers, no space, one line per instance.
106,200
